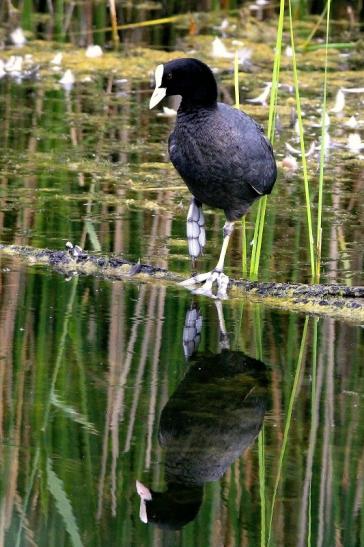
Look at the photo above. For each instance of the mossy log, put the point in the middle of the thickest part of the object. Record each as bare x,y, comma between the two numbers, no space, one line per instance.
333,300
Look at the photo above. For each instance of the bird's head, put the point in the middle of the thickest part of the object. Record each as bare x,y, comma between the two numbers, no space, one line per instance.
188,77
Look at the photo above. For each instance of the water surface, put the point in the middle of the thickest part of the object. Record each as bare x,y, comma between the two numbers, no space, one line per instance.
245,437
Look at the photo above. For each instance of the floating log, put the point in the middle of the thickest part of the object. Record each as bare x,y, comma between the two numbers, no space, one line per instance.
337,301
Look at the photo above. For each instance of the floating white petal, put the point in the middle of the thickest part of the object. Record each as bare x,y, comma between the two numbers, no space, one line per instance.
339,102
353,89
262,98
17,37
289,163
352,123
94,51
14,64
354,143
57,59
67,79
219,49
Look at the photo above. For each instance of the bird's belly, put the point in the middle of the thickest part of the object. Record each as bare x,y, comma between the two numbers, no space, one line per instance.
201,173
213,184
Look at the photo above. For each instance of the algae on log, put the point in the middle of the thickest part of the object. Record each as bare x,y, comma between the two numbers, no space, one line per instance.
334,300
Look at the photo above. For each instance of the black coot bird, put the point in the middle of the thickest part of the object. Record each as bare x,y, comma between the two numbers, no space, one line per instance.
221,153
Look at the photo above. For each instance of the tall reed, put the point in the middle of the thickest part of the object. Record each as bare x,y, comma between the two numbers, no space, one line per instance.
259,222
243,223
302,145
287,426
322,153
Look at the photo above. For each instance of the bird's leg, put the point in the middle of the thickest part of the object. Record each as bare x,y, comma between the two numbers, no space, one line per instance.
228,230
192,331
216,276
224,338
196,235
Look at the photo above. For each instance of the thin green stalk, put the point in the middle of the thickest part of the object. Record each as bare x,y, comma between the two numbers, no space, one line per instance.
333,45
27,14
314,30
244,252
288,422
236,80
259,221
244,257
114,23
263,512
58,20
303,152
255,239
313,403
322,154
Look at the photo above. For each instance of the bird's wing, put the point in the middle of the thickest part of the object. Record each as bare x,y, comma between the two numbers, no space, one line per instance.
252,154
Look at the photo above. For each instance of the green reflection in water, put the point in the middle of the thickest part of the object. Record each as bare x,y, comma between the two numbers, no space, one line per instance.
87,368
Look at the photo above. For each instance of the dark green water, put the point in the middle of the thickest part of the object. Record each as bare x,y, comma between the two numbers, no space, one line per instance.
87,365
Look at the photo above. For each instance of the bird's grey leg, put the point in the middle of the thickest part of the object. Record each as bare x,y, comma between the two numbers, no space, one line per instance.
224,338
192,331
228,230
196,236
216,276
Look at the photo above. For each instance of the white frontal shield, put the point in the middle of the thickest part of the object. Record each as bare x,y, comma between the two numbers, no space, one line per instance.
160,92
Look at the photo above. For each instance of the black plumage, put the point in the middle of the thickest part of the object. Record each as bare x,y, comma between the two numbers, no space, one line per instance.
223,156
214,415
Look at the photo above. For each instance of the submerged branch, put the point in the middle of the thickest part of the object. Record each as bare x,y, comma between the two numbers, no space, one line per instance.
333,300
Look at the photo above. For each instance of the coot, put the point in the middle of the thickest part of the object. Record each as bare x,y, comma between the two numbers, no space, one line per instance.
220,152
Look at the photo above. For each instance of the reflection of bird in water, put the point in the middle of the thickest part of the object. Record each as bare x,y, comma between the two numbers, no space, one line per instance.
213,416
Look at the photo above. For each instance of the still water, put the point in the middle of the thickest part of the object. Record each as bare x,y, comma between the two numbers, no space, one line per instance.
134,413
100,389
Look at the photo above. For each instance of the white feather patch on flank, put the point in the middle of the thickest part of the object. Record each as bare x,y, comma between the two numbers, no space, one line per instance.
159,75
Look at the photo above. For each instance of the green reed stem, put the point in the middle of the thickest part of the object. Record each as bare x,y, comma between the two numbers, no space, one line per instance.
263,511
333,45
244,249
315,28
302,143
236,80
288,422
322,154
59,10
114,23
313,404
259,221
244,255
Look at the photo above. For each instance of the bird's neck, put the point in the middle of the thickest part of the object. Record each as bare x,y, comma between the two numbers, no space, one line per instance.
189,104
202,95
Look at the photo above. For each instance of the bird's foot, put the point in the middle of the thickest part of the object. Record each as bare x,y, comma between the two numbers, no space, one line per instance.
209,280
75,251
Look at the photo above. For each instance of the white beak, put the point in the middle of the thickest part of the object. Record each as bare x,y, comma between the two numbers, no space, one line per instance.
145,494
160,92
